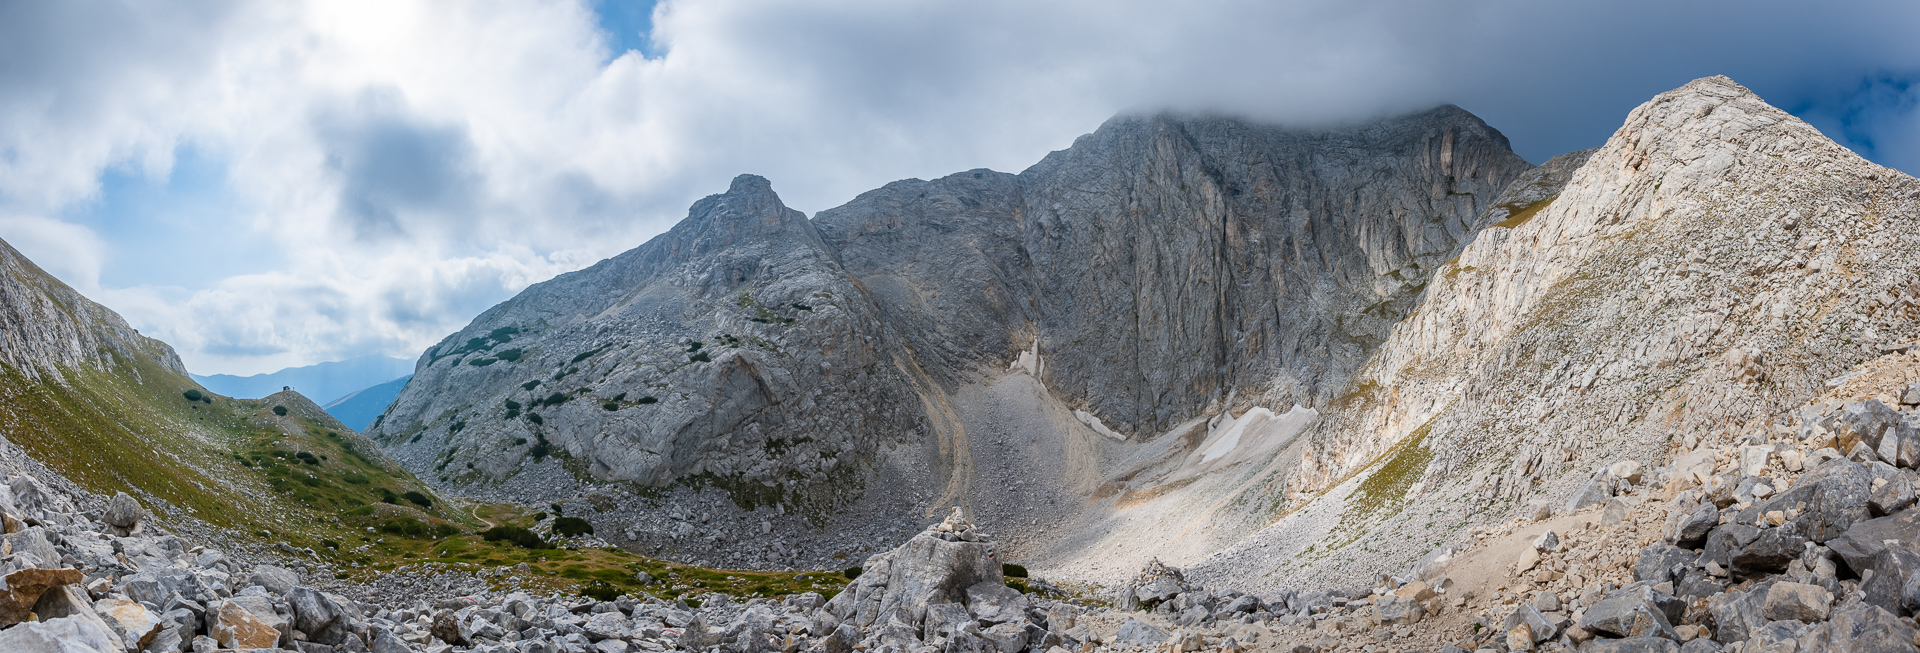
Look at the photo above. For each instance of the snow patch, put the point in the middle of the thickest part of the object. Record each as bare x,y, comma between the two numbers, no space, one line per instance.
1094,423
1257,426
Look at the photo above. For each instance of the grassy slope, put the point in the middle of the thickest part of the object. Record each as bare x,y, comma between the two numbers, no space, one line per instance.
236,464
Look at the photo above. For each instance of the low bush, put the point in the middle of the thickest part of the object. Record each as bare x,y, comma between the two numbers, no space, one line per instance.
1010,569
280,410
599,590
192,395
516,535
414,528
851,573
416,497
572,526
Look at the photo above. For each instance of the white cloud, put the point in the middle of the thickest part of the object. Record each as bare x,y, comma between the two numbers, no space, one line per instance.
71,253
419,161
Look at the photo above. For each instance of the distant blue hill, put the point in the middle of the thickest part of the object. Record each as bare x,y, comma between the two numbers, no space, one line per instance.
323,383
358,410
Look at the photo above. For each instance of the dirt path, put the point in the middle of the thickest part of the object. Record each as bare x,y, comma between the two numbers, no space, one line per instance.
475,511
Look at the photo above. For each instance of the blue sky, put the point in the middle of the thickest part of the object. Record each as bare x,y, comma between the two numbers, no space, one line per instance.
627,25
267,185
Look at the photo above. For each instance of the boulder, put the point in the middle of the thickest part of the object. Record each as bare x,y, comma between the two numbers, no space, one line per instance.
1889,492
1631,645
1728,539
1837,501
263,609
1862,423
63,635
1596,491
1433,564
71,602
1859,628
1893,570
23,590
1735,613
276,580
1660,563
1864,540
995,603
1626,615
1691,531
1536,624
1395,610
33,542
235,627
932,567
1796,602
1139,633
129,620
384,641
1006,637
1628,470
607,625
123,515
323,619
1770,552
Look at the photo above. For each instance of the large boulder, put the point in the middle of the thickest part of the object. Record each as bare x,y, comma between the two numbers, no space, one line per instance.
1691,531
936,566
235,627
1862,422
1889,492
276,580
63,635
1736,613
1796,602
123,515
1660,563
131,621
1139,633
1895,570
995,603
1864,540
1624,614
23,590
1859,628
324,620
1770,552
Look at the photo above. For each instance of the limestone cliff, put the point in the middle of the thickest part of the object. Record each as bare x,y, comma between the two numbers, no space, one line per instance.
1714,264
731,348
1161,270
45,326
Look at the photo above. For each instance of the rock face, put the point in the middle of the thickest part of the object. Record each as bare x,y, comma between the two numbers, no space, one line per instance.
46,326
732,346
1161,270
1715,264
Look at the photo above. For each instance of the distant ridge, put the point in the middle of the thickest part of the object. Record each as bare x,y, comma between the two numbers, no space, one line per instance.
358,409
327,382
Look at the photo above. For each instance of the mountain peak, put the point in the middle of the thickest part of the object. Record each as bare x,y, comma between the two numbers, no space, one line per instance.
750,184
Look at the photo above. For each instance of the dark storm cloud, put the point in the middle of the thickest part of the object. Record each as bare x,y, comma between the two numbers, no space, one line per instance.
396,168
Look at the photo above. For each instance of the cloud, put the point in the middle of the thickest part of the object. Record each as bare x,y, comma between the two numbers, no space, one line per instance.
391,165
391,169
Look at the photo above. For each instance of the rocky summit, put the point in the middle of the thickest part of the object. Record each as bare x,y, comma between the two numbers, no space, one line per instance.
1193,383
